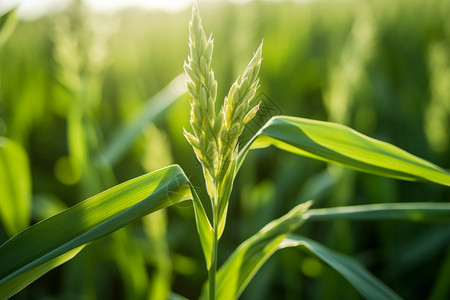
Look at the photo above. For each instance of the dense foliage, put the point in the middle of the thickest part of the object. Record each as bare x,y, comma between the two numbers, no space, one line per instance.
78,92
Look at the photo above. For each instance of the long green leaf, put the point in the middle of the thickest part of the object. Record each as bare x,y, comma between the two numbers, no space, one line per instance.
21,281
248,258
342,145
204,227
389,211
368,285
31,253
15,187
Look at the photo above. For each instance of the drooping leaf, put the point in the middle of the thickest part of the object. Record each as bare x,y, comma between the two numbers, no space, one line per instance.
246,260
234,275
31,253
342,145
418,212
15,187
367,285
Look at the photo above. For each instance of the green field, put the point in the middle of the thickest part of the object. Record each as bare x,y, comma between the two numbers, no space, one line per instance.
88,101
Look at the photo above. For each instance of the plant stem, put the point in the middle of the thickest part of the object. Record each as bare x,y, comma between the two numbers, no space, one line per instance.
213,268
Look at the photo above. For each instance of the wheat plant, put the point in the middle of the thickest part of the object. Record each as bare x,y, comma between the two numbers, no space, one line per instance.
33,252
215,137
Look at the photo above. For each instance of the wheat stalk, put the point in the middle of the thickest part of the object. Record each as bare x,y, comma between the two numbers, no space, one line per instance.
215,136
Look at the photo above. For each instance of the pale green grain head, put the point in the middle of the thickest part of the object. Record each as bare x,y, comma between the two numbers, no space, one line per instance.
215,136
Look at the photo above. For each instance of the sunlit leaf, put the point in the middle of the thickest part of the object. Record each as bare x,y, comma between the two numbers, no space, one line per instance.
225,188
342,145
32,252
204,228
247,259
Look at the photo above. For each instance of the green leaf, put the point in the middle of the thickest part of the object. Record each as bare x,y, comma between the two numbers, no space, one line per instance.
247,259
389,211
204,227
342,145
242,265
31,253
225,188
8,22
22,280
15,187
368,285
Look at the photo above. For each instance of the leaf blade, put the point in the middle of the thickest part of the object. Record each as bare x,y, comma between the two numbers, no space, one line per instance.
39,245
366,284
21,281
418,212
335,143
234,275
204,227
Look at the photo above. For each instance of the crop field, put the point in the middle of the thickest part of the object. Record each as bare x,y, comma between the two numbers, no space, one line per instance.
228,150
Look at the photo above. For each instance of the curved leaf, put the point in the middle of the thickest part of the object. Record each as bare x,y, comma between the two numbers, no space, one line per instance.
342,145
368,285
247,259
31,253
234,275
389,211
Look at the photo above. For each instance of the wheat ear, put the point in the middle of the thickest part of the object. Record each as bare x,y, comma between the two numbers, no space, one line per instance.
203,88
238,108
215,137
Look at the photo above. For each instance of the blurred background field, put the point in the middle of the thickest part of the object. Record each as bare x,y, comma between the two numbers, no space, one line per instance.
89,100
